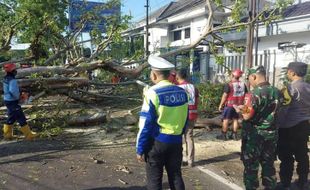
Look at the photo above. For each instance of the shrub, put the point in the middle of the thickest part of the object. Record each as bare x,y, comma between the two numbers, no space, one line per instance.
210,97
307,78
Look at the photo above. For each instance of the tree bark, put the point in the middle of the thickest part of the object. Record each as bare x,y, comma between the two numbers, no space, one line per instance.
209,121
87,119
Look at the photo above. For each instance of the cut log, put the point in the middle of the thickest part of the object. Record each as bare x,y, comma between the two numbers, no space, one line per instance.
209,121
63,70
51,83
87,119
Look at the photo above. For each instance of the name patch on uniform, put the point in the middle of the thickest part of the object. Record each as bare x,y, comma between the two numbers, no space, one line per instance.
175,98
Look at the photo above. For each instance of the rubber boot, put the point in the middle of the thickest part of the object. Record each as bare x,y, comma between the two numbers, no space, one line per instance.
8,132
29,135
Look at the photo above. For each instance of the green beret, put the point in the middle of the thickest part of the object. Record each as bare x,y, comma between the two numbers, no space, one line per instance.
256,69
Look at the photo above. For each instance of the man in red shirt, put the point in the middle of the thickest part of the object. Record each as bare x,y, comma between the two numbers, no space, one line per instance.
233,95
172,77
189,150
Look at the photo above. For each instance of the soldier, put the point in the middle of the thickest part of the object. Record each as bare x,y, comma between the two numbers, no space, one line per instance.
162,122
259,134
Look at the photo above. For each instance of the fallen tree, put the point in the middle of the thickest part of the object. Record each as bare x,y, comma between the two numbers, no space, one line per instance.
70,48
57,56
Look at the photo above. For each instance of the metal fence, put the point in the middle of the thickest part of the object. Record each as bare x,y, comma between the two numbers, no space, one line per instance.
238,61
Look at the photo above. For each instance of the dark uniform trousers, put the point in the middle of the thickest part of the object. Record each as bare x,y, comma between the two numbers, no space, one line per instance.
164,155
292,146
15,113
257,150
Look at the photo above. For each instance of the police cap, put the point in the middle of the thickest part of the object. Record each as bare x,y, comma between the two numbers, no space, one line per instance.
299,68
160,64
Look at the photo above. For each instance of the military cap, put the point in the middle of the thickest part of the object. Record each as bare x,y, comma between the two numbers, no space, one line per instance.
299,68
158,63
256,69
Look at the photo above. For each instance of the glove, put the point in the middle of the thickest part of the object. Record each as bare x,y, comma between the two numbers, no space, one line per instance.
145,89
286,95
24,97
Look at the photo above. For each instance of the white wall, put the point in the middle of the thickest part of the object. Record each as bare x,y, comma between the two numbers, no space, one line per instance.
157,34
288,55
197,25
286,26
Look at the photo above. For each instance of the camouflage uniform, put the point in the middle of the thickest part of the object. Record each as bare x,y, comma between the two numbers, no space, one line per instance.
259,138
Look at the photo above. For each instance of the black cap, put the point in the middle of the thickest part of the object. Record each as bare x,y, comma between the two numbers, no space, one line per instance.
299,68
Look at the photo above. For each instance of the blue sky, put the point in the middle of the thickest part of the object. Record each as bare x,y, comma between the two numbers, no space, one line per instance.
137,9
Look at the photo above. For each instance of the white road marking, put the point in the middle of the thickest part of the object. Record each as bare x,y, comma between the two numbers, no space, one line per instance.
219,178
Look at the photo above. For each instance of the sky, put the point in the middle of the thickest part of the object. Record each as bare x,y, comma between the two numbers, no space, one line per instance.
136,7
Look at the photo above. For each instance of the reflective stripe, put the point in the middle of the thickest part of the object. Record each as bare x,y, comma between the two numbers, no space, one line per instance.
163,115
193,111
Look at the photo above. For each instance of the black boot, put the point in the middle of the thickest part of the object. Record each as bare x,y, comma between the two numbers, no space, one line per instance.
234,136
301,185
222,136
280,186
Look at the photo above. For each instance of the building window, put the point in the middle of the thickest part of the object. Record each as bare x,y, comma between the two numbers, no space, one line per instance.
177,35
187,33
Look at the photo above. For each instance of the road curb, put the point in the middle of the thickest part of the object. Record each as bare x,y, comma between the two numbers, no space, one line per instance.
219,178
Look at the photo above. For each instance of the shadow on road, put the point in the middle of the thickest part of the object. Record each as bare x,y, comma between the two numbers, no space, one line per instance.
222,158
119,188
43,149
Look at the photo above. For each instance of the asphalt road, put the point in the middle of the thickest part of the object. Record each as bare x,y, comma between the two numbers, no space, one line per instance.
83,161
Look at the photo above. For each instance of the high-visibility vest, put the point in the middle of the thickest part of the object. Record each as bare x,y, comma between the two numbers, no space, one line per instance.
163,116
236,93
192,93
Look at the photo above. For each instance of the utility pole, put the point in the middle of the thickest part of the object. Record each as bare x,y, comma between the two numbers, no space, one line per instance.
256,31
250,35
147,29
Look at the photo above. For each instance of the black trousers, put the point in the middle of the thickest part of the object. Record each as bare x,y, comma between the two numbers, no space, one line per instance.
164,155
292,146
15,113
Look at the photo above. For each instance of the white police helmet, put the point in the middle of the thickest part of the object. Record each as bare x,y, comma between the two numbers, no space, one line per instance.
158,63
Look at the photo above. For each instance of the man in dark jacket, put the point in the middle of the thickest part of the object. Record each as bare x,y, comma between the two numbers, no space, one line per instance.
294,129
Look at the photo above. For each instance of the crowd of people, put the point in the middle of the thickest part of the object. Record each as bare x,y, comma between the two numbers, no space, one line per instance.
272,126
274,123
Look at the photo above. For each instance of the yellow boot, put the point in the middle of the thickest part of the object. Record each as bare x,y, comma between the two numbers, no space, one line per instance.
29,135
8,132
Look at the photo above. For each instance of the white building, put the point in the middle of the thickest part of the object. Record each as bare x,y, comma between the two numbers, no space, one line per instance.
179,23
279,43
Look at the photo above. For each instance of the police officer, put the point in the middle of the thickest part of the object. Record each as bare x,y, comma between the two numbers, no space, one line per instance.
294,127
162,122
11,99
259,134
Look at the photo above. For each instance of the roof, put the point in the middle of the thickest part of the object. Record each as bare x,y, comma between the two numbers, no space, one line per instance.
174,7
297,10
159,11
179,6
